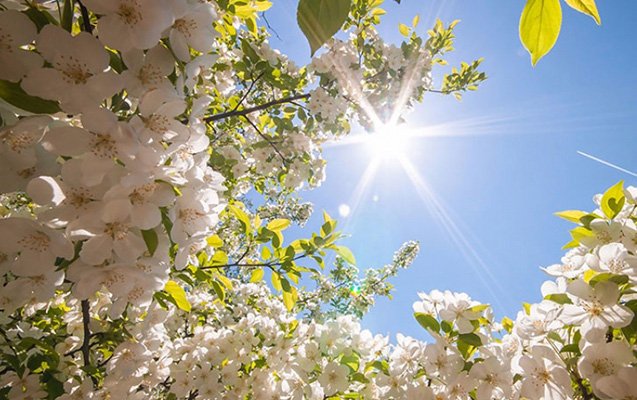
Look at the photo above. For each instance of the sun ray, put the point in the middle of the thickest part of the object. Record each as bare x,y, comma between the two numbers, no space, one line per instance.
436,209
357,195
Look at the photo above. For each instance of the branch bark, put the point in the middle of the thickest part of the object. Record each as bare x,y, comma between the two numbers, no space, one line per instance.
86,319
246,111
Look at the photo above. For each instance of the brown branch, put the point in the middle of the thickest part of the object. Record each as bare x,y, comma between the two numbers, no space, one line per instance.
86,319
246,111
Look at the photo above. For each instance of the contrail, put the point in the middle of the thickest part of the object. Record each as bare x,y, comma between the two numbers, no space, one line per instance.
599,160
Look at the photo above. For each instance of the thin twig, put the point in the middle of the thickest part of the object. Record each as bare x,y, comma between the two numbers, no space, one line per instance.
246,111
248,91
285,161
267,23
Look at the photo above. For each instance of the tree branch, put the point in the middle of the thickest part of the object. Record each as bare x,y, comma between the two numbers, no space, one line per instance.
86,319
270,265
246,111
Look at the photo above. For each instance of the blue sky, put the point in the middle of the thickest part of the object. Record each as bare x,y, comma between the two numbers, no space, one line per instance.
505,159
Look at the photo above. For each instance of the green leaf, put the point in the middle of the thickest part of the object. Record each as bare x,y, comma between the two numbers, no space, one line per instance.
613,200
219,258
559,298
67,15
403,29
571,215
178,295
278,224
346,253
321,19
276,281
214,241
219,290
40,17
352,361
507,323
470,339
587,7
242,216
289,295
256,275
427,321
540,26
13,94
151,240
607,276
570,348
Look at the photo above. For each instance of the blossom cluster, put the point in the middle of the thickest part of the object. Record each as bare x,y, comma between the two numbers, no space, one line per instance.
111,189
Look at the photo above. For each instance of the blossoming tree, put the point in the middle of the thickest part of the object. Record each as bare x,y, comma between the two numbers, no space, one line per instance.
135,267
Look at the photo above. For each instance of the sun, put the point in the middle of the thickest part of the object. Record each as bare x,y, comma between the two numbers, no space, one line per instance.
388,142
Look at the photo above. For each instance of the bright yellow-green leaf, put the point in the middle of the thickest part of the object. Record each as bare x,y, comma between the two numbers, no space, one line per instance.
346,253
540,26
507,324
219,258
321,19
588,275
613,200
571,245
178,294
587,7
276,281
278,224
403,29
224,280
266,253
571,215
263,5
527,308
578,233
378,11
242,216
289,297
415,21
214,241
257,275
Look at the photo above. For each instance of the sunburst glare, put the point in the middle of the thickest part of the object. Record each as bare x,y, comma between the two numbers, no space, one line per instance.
388,142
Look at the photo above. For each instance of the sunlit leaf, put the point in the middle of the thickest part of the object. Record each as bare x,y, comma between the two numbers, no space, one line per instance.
613,200
321,19
540,26
571,215
427,321
278,224
178,295
256,275
587,7
346,253
403,29
214,241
